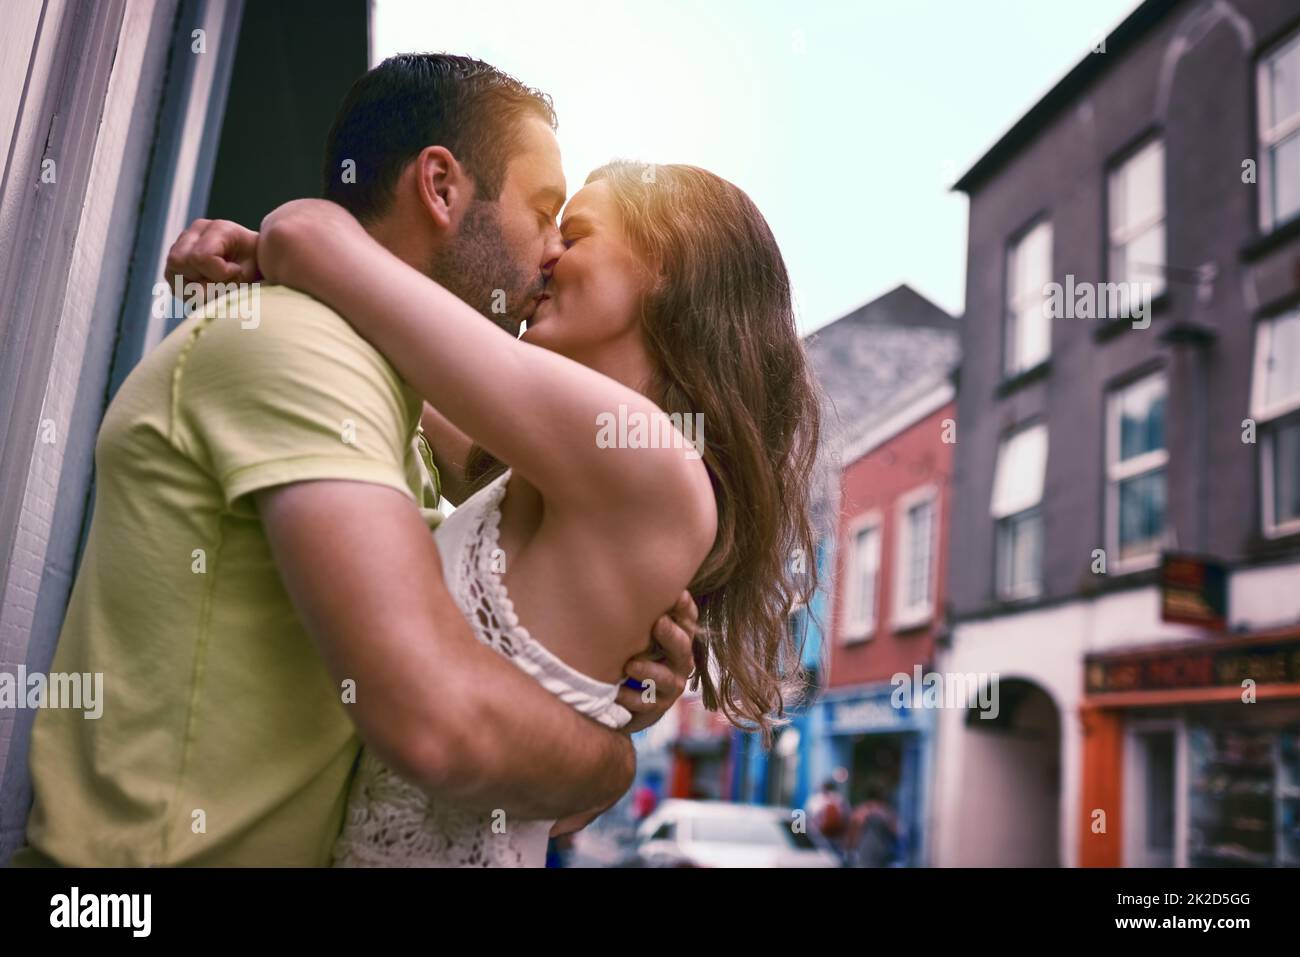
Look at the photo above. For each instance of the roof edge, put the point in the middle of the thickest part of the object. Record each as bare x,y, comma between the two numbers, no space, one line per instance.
1131,30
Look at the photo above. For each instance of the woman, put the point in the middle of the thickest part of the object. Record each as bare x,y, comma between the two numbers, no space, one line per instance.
671,297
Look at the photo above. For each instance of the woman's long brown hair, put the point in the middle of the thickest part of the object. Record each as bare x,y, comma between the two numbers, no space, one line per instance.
720,330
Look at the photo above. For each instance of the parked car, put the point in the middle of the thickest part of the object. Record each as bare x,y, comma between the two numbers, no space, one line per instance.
721,834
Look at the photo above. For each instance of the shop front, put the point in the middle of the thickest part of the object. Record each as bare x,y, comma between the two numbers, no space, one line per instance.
1192,754
885,751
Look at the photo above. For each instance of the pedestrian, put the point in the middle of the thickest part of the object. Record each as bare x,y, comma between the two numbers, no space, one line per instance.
828,813
872,839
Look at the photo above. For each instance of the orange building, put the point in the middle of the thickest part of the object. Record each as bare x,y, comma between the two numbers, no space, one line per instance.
1191,754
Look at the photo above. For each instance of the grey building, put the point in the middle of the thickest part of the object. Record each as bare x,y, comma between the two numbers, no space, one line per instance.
1130,391
878,359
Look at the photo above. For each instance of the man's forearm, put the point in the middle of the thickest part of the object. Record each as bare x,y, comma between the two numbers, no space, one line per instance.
447,712
525,751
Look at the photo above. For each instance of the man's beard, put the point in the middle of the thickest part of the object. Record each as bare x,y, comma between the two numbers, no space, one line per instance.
478,268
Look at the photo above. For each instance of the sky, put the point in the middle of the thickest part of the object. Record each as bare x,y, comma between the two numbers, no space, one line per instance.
846,122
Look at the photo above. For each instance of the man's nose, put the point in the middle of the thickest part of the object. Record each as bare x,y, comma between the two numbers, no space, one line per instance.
551,253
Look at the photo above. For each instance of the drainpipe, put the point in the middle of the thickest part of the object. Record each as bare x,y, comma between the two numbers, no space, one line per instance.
1191,341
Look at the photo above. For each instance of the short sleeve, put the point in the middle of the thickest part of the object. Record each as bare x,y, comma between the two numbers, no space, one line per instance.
298,396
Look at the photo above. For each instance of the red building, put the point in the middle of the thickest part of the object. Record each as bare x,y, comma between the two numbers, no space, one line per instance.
890,366
892,553
885,370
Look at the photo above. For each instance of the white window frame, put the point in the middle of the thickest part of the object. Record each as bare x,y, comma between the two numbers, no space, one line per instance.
904,615
1133,819
861,629
1000,582
1122,234
85,85
1265,416
1015,310
1271,131
1117,472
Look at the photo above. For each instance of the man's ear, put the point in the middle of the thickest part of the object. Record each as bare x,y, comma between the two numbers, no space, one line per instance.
445,188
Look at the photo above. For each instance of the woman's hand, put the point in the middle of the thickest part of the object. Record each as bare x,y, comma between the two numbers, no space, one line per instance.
304,241
213,250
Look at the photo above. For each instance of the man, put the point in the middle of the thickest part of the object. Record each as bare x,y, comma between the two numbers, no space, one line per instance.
260,587
873,833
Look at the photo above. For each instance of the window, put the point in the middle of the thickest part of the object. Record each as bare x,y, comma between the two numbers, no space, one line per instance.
1029,270
1279,134
798,623
863,579
1275,407
1158,748
1151,812
1017,497
1135,473
1137,220
914,567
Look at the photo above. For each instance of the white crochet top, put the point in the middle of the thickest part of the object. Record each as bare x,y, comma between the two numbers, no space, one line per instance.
391,823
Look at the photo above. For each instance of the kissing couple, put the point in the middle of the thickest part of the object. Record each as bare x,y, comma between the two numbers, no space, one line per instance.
305,662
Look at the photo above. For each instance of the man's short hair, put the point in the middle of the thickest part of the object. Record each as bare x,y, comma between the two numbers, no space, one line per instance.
415,100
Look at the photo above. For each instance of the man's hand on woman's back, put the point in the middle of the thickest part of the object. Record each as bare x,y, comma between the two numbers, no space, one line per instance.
663,670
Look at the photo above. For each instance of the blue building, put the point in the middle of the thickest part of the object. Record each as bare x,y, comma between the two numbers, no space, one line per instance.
789,773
